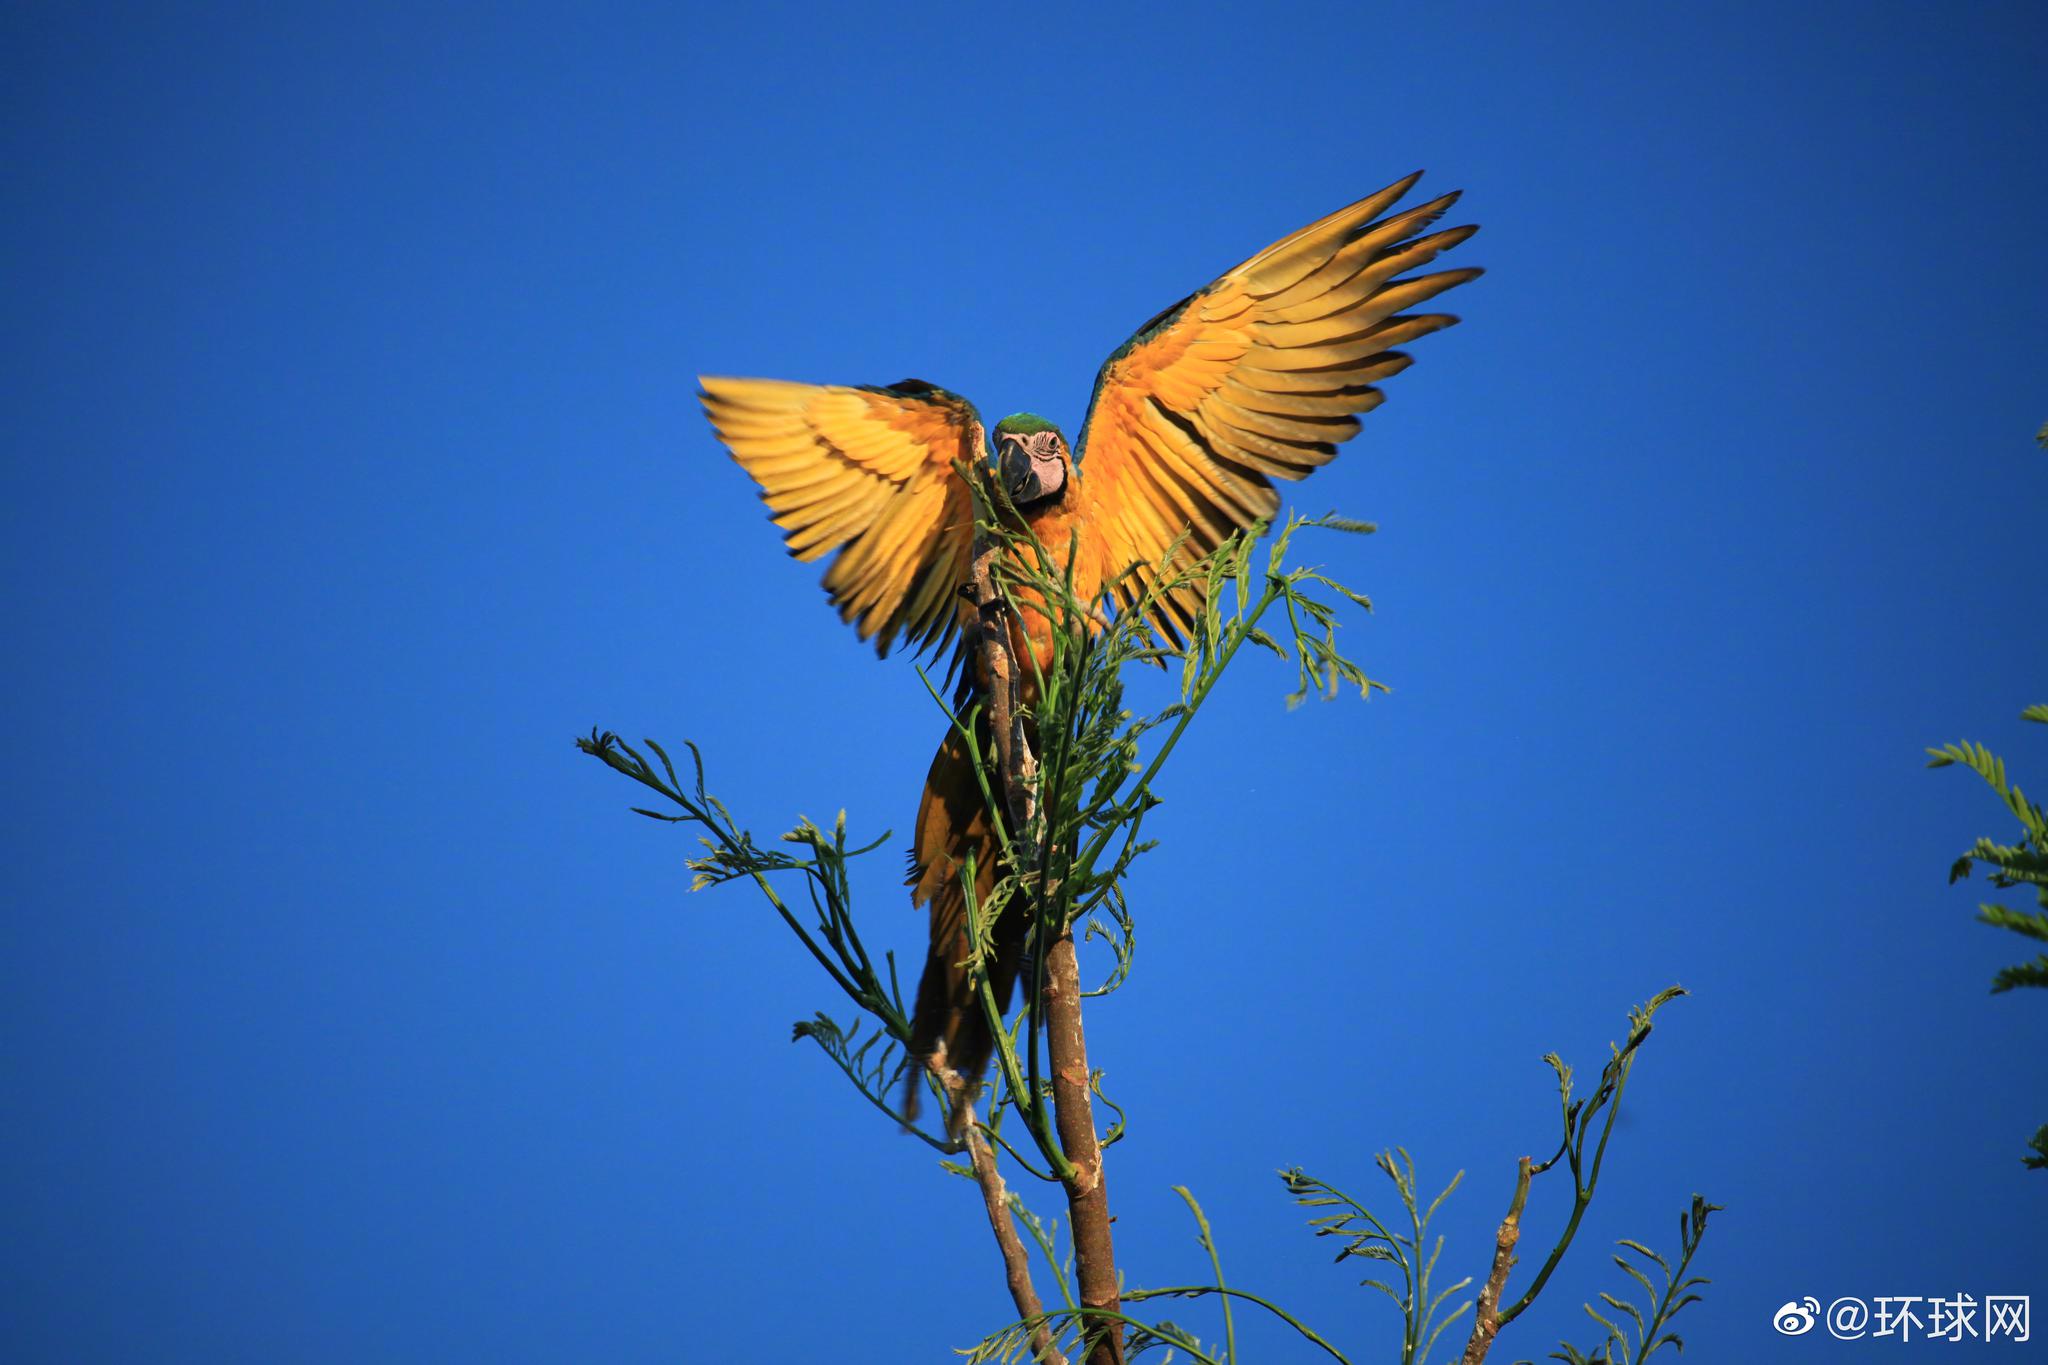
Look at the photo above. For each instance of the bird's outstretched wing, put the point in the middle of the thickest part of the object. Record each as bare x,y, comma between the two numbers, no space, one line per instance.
1256,377
869,472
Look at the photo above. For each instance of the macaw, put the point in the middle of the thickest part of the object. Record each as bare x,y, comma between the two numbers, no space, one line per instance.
1255,377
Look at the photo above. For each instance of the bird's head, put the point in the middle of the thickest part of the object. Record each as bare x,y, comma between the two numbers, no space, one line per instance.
1031,459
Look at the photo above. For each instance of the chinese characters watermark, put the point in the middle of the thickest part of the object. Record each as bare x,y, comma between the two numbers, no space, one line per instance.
1905,1317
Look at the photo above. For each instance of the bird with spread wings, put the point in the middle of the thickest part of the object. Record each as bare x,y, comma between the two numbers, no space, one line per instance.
1256,377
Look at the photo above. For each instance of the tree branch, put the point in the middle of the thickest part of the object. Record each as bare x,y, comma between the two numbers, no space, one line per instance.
1073,1110
1074,1113
995,1197
1002,681
1486,1318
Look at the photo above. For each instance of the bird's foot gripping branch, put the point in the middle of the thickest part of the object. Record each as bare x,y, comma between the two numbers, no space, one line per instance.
1067,775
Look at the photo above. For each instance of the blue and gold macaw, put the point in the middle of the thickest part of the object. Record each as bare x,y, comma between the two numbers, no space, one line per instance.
1256,377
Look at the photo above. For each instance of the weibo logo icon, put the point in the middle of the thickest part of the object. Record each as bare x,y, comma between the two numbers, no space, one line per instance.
1797,1317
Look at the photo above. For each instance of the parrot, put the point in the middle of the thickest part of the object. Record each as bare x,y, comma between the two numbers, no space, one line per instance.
1256,377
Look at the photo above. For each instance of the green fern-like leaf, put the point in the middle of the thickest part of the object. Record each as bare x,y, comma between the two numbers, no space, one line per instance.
1653,1318
2030,923
2021,863
2033,973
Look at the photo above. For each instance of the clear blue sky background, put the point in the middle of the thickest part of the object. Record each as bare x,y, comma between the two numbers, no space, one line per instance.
353,467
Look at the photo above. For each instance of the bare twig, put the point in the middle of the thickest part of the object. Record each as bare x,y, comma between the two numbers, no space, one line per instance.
1486,1318
995,1198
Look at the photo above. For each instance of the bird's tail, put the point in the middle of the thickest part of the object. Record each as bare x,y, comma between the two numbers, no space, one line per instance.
953,821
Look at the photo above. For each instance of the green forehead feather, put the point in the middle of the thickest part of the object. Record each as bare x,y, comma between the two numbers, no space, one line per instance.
1023,424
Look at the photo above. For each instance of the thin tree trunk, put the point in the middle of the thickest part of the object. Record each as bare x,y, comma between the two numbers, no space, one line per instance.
1088,1215
1074,1115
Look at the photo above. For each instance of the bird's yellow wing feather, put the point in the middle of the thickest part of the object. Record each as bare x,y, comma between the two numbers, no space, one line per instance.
1257,377
870,473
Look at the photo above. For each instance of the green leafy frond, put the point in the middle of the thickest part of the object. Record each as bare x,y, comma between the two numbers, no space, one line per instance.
1645,1329
2008,866
2033,973
873,1063
2030,923
1363,1236
1991,768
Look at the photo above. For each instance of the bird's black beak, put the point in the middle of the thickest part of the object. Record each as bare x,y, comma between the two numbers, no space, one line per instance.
1013,465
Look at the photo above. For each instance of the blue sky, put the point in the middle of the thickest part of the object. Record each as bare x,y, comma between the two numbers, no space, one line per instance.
353,468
